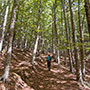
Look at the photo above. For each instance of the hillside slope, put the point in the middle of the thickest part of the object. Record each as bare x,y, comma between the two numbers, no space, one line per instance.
24,76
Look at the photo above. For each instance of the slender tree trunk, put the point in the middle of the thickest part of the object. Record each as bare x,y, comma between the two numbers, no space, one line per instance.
42,45
87,8
58,53
52,35
10,40
15,29
68,50
81,41
4,25
37,38
70,41
31,40
56,35
55,24
52,39
78,69
35,50
2,4
62,29
26,43
62,22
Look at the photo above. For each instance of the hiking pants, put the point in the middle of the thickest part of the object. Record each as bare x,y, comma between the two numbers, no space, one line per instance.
49,64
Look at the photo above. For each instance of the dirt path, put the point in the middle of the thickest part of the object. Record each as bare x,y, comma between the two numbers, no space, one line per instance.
24,76
59,78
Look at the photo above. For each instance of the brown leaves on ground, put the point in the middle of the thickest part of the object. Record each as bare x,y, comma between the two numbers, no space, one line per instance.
19,83
24,76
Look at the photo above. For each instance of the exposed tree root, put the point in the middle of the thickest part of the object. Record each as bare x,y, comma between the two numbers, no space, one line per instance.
34,63
19,83
87,84
5,80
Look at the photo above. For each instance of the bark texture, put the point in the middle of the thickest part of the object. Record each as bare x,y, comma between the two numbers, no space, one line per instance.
81,41
87,8
78,69
10,40
67,36
37,37
4,25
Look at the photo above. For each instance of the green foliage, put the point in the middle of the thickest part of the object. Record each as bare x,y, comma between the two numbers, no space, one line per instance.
38,30
86,34
28,16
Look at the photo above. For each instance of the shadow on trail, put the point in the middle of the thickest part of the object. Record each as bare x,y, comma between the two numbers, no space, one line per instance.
23,75
56,79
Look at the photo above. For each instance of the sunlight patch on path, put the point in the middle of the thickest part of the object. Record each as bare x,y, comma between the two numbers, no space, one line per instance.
55,71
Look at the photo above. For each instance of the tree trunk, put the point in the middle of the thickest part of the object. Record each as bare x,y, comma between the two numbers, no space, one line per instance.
70,41
10,40
4,25
26,43
56,35
62,29
78,69
81,41
37,38
87,8
2,4
35,50
52,36
67,44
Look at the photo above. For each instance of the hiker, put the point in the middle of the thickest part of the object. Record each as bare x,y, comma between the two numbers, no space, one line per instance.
49,62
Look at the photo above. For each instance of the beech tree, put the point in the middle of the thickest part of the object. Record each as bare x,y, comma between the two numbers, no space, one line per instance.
87,8
56,34
2,4
67,36
81,40
78,68
4,25
37,37
10,41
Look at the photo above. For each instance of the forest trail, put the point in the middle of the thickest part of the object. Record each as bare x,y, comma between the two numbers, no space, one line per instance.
24,76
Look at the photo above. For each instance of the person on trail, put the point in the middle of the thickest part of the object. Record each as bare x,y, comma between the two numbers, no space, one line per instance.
49,62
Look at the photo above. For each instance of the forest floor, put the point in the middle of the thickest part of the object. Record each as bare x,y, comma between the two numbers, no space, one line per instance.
24,76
